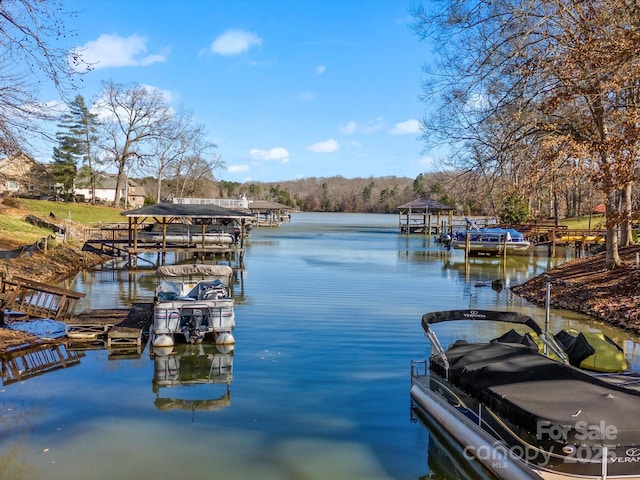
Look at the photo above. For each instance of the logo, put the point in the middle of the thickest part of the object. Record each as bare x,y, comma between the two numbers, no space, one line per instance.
474,314
581,430
633,452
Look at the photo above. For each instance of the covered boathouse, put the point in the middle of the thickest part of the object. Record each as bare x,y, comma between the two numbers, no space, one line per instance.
425,216
201,218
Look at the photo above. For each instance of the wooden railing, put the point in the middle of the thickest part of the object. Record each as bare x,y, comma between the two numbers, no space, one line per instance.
37,299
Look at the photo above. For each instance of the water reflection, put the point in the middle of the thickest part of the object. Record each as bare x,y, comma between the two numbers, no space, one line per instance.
112,285
328,325
182,370
33,360
445,457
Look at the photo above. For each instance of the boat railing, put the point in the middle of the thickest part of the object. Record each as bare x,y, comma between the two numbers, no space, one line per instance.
419,368
628,379
438,350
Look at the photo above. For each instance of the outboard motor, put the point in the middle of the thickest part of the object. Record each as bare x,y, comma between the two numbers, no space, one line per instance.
191,329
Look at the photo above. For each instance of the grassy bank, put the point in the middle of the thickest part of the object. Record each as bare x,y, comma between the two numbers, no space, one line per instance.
78,212
14,230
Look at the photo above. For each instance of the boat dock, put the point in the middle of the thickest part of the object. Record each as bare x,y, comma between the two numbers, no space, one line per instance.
115,329
581,239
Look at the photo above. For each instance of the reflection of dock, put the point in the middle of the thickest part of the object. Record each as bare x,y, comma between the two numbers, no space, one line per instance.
36,359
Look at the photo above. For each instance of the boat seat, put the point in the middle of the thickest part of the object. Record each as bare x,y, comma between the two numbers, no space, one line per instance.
171,296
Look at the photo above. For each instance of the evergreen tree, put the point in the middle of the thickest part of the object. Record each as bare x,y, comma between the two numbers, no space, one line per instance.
75,140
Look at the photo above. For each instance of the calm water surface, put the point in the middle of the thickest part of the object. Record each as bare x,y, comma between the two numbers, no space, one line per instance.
328,314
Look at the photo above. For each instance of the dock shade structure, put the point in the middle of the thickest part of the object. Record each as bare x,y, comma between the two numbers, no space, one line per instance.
198,217
269,214
417,215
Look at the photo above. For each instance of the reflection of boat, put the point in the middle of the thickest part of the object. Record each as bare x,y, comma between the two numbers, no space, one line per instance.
490,241
187,235
193,301
521,413
190,366
445,457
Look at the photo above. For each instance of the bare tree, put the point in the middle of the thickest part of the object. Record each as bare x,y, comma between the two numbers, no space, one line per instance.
28,32
554,81
195,166
175,144
134,120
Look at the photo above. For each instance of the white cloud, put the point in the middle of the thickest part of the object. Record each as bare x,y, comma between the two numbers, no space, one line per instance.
116,51
427,162
327,146
406,127
320,69
277,153
238,168
349,128
234,42
372,126
167,95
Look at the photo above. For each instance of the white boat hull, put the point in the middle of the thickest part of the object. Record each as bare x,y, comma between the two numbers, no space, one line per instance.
507,467
192,302
188,239
491,247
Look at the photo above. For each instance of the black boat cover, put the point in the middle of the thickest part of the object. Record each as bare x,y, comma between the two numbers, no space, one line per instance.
494,316
533,391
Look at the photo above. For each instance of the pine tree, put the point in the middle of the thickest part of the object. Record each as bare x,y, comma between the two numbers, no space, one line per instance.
75,140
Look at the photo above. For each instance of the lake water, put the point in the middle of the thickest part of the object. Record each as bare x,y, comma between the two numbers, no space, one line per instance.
328,310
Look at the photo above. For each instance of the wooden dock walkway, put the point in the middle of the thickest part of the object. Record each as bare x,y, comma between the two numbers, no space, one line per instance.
116,329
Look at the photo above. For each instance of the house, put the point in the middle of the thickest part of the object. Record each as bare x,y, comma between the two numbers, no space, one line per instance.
106,190
22,175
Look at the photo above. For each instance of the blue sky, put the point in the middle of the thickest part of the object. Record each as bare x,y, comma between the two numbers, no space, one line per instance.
286,89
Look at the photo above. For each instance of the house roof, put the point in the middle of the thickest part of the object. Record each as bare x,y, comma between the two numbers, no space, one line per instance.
426,204
18,165
185,210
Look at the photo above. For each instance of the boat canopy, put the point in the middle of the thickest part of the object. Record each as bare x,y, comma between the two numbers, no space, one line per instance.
194,270
484,315
532,390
